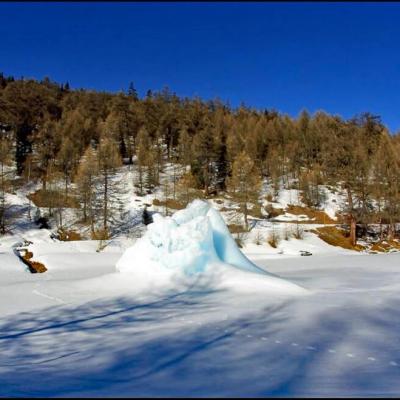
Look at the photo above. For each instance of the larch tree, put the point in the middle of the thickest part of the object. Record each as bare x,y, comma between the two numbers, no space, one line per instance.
186,188
5,160
86,181
108,160
143,145
244,184
66,161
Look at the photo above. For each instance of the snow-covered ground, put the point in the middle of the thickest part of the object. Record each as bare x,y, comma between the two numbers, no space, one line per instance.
84,329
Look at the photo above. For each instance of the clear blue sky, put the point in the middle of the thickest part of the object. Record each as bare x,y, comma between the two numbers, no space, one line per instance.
343,58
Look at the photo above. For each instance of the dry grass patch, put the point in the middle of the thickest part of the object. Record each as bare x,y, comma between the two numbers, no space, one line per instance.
235,228
336,237
255,212
52,198
68,235
273,212
318,217
170,203
100,234
34,266
385,245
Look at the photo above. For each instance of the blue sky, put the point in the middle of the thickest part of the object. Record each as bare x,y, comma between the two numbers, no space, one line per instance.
343,58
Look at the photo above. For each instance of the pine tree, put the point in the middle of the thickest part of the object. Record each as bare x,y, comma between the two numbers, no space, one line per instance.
132,92
203,159
146,217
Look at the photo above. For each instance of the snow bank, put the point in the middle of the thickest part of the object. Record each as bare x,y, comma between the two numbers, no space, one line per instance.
194,244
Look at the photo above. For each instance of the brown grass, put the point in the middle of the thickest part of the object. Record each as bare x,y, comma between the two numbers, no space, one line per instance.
52,198
171,203
273,243
68,235
100,234
274,212
255,212
28,255
235,228
38,267
34,266
269,197
385,246
336,237
317,217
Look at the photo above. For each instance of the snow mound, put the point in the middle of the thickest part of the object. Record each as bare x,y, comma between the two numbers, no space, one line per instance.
194,243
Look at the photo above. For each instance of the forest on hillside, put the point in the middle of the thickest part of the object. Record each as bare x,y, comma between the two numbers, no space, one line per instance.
50,133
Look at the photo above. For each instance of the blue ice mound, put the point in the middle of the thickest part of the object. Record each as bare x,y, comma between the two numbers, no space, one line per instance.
196,242
189,240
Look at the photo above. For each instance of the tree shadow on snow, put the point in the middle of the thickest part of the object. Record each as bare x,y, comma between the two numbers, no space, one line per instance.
185,344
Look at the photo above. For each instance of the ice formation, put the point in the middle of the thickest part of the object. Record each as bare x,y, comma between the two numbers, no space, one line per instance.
192,242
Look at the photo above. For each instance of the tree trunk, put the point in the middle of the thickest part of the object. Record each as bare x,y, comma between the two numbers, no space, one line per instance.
105,199
390,235
353,226
3,203
353,222
246,222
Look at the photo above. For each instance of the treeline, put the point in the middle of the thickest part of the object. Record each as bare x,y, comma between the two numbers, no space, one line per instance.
47,128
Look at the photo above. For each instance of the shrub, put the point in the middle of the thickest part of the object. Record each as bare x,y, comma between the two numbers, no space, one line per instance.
274,238
287,233
298,231
259,238
240,238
